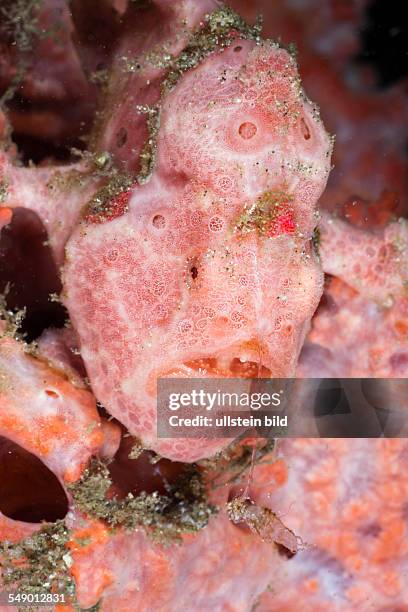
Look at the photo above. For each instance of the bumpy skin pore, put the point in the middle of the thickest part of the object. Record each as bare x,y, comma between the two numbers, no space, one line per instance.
211,269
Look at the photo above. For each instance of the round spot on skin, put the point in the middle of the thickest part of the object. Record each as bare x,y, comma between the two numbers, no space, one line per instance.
247,130
158,287
216,224
112,255
185,326
224,183
237,49
196,218
121,137
305,129
159,222
194,272
161,312
236,317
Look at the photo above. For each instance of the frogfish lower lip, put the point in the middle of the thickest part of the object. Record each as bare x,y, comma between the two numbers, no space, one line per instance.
242,360
227,367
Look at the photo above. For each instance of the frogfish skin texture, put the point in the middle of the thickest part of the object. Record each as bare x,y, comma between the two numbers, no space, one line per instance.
209,268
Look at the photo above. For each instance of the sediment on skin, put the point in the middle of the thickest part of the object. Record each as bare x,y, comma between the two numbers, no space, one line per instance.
39,563
148,153
136,450
12,318
185,508
214,33
100,204
3,190
67,181
113,182
259,216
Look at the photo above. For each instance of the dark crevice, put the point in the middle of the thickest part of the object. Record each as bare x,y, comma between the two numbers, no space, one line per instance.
141,474
29,491
36,144
35,150
29,275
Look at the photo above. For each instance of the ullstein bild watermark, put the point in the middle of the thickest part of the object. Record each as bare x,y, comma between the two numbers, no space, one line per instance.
289,407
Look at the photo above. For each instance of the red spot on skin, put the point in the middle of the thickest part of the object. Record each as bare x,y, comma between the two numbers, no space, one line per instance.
247,130
114,209
283,224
